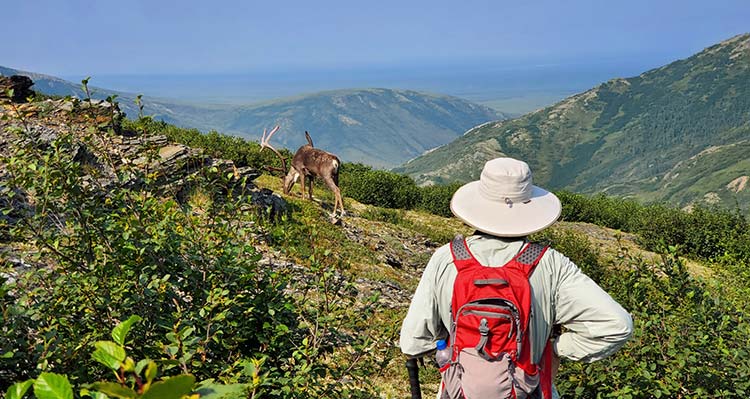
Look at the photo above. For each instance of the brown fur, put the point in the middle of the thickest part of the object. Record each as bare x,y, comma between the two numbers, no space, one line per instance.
309,162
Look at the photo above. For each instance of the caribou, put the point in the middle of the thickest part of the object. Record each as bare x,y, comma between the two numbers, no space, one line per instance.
308,162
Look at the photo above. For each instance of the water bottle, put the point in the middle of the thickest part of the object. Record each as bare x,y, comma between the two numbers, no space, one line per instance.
443,354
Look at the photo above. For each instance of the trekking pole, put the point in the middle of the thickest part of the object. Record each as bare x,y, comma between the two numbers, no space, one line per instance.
413,368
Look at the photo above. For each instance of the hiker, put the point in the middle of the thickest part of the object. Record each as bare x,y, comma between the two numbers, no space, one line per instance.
567,314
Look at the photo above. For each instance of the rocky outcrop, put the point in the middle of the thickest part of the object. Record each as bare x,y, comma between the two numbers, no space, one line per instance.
20,85
390,294
114,157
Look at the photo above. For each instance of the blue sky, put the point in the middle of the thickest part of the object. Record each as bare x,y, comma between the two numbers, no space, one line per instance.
75,37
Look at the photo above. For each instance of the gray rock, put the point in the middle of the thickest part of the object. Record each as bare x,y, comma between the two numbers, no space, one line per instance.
21,86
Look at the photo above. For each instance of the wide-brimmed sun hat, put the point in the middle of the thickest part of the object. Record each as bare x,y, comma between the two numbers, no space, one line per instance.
504,202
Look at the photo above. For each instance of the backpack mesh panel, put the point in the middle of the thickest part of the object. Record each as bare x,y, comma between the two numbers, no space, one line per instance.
530,254
460,251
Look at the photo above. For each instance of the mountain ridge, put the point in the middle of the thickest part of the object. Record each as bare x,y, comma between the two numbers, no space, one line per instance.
377,126
623,135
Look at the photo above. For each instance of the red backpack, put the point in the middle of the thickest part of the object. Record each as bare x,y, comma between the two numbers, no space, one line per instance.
491,350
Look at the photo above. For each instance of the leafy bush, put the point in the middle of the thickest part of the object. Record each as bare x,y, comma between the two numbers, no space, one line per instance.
576,247
207,306
689,340
134,380
382,188
703,233
242,152
598,209
111,252
436,199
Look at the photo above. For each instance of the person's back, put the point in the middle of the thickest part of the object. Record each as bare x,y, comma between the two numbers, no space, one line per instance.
595,325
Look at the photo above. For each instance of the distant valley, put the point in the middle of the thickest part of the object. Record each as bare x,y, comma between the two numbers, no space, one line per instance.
679,133
378,127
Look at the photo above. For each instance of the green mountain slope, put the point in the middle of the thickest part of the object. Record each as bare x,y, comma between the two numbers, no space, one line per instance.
676,133
379,127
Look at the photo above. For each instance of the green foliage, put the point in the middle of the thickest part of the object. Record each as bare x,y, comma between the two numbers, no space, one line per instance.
186,283
393,190
133,381
576,247
382,188
340,322
236,149
702,233
18,390
688,342
436,199
598,209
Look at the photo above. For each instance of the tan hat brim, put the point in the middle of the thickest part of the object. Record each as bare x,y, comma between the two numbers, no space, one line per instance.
502,220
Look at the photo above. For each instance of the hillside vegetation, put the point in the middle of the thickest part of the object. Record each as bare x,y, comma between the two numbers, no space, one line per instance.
678,133
238,300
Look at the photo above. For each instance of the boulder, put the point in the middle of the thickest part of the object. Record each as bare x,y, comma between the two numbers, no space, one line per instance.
21,86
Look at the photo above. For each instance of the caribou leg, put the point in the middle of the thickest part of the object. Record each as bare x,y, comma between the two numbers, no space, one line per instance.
339,203
302,185
309,189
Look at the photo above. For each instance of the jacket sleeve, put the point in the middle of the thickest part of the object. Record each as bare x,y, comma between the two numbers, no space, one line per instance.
422,325
596,325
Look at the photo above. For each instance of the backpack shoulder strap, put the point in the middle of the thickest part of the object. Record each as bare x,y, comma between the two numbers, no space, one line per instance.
462,257
529,257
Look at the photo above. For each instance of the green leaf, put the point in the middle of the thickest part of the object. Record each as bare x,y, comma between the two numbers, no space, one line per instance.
171,388
140,365
121,330
17,390
109,354
52,386
218,391
92,394
115,390
151,370
186,332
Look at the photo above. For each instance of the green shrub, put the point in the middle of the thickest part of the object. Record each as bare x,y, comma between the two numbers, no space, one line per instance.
436,199
242,152
576,247
702,233
382,188
688,342
614,213
113,252
207,307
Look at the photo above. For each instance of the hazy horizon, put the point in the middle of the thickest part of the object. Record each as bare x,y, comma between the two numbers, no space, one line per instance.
498,53
508,87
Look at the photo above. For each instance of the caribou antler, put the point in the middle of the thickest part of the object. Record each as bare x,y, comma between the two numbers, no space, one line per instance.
264,143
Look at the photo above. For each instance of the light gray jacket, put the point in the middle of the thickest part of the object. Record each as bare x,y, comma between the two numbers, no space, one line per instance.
595,325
